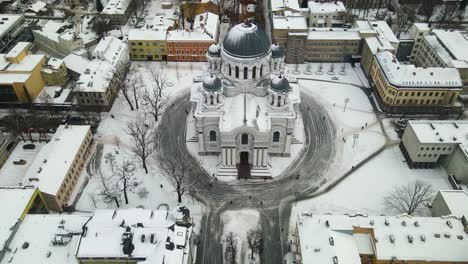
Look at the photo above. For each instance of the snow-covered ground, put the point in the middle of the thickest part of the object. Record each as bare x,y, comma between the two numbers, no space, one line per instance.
154,188
239,222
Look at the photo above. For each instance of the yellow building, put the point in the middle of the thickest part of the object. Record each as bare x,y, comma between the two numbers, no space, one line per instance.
147,44
402,88
55,72
21,80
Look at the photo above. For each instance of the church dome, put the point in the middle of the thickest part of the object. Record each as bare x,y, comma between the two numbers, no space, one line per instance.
214,50
211,83
277,51
246,40
280,84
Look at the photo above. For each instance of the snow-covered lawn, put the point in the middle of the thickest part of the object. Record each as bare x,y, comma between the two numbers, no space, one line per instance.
239,222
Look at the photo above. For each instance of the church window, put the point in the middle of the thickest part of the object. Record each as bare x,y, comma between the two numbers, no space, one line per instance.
279,101
217,98
237,72
245,139
211,99
246,72
276,136
230,71
212,135
261,70
272,99
254,72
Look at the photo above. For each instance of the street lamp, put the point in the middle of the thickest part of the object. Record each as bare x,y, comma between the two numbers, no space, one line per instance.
355,137
346,101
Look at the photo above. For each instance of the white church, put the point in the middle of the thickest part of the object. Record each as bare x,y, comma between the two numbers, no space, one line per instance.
243,107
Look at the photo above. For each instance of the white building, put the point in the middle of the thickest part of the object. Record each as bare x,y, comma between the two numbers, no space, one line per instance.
245,109
326,13
57,167
426,143
49,238
118,11
355,239
138,236
450,202
10,26
279,7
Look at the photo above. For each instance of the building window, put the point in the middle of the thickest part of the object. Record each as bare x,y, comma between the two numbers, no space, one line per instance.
237,72
261,70
230,71
212,135
245,139
246,72
276,136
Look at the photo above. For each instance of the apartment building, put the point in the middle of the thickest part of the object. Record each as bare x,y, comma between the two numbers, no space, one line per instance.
57,167
326,14
360,239
50,238
403,88
450,202
118,11
148,44
54,72
21,80
138,236
192,45
11,30
332,45
427,143
441,48
290,30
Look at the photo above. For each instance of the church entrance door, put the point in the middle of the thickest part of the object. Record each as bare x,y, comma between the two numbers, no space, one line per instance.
243,168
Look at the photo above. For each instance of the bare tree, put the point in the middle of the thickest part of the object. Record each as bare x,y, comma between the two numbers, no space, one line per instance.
405,17
448,14
159,79
178,169
135,88
409,199
143,139
126,87
15,123
254,240
108,189
154,103
230,251
427,9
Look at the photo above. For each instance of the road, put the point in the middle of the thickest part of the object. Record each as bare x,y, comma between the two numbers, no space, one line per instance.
317,157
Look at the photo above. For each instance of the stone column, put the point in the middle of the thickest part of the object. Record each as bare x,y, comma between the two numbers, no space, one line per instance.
265,157
229,162
254,161
224,156
201,141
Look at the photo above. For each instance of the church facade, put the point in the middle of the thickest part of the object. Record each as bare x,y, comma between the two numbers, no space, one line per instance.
243,106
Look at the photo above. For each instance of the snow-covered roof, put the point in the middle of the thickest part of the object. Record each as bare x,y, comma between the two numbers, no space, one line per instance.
10,78
205,28
407,75
112,50
456,200
76,63
333,34
402,237
17,49
47,238
421,26
233,116
116,7
52,64
7,21
151,231
383,32
455,42
432,131
14,202
278,5
316,7
52,164
27,64
290,21
47,95
147,34
96,77
36,7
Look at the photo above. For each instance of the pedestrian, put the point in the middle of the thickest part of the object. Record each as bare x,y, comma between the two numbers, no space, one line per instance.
261,203
250,196
216,178
112,116
297,177
186,111
366,124
362,128
308,109
161,186
231,201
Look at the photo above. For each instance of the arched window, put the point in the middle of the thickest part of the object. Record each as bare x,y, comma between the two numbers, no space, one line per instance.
217,98
245,139
206,99
211,99
261,70
279,100
246,73
276,136
212,135
254,72
230,71
276,65
237,72
272,99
